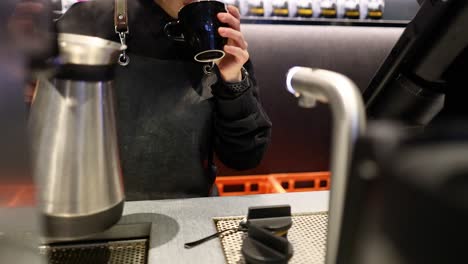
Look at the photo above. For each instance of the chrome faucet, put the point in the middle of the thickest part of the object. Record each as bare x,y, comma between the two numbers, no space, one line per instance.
349,122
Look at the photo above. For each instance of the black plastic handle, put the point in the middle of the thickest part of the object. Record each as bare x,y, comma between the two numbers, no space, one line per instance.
167,31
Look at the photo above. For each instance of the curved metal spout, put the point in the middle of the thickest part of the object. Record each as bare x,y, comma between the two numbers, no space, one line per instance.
349,122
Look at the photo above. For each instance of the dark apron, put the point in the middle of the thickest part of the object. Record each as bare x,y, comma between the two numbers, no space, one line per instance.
164,119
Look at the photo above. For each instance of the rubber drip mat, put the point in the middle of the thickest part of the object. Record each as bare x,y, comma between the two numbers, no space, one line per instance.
110,252
307,236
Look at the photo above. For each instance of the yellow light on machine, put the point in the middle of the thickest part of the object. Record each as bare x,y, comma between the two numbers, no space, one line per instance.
375,14
352,13
281,11
305,12
328,12
257,11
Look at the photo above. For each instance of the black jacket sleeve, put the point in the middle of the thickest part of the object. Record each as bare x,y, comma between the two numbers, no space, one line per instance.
242,128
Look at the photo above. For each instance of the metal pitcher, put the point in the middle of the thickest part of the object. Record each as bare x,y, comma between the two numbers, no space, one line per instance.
74,142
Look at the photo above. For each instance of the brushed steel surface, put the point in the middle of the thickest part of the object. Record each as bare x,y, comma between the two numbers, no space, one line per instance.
349,123
86,50
307,237
74,147
176,222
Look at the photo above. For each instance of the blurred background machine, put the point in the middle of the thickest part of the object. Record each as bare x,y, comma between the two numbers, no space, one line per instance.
354,9
406,201
21,50
333,9
420,78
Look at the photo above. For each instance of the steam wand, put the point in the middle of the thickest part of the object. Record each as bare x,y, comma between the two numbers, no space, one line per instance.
349,122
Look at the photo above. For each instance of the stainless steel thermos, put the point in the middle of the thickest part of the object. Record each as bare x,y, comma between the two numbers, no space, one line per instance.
73,139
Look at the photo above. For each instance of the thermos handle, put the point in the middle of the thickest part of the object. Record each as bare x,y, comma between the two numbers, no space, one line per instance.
167,31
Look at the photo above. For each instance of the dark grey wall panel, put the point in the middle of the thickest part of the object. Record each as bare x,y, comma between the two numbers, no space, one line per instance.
301,137
400,9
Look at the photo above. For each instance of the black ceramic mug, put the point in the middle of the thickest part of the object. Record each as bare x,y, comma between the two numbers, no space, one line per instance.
198,26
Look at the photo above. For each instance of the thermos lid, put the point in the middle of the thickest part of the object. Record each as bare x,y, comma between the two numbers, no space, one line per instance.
262,247
86,50
274,224
276,219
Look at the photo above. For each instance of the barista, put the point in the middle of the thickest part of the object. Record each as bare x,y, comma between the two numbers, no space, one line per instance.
171,115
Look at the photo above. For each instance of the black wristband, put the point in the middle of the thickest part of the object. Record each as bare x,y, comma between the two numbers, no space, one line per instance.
232,90
239,87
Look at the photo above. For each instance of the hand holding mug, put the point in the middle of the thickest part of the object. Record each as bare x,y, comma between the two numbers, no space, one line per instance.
212,30
236,48
198,25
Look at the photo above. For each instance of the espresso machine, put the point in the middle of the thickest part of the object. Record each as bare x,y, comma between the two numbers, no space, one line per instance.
406,194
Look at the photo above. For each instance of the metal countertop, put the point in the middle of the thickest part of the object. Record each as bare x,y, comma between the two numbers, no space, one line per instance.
175,222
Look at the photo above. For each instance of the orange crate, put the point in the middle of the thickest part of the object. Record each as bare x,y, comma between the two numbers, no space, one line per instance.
304,181
246,185
272,183
19,195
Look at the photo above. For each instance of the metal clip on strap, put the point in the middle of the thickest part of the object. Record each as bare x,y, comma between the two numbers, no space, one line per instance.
121,28
208,68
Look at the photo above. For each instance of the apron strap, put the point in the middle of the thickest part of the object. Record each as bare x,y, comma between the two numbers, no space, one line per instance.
212,168
121,28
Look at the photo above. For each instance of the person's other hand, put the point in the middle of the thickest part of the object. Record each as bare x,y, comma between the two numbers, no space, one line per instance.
236,48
